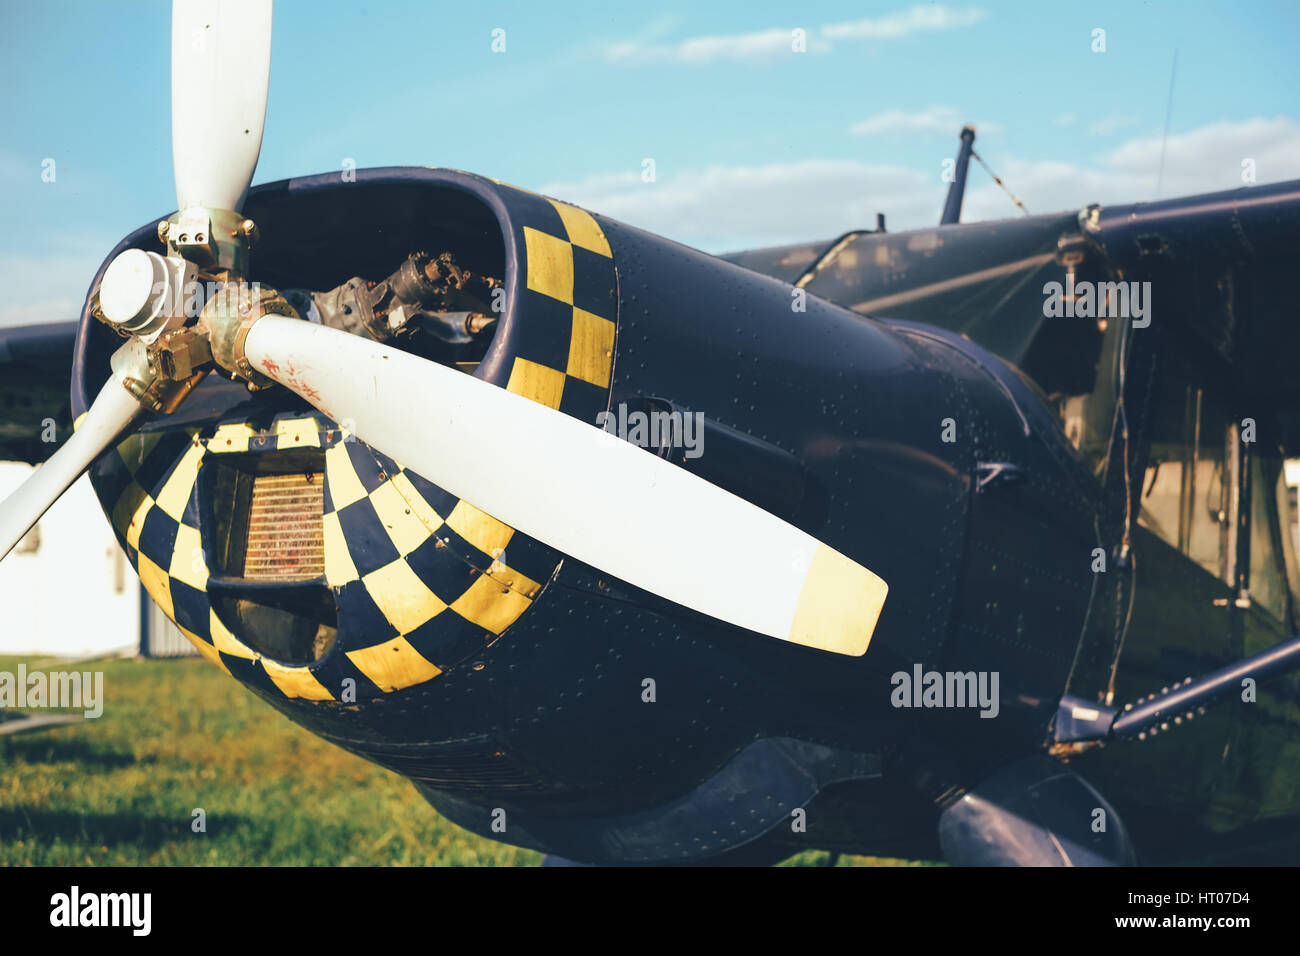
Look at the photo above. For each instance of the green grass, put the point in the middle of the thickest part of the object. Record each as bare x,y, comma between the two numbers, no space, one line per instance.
178,735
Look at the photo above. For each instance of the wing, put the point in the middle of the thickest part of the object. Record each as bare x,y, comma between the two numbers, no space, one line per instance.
984,280
1219,266
35,369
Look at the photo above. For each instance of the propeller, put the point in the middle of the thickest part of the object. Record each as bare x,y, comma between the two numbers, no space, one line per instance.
221,67
221,61
578,488
564,482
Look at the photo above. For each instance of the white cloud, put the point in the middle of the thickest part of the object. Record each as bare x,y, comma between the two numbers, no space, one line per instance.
1065,119
722,208
761,45
773,43
935,119
918,19
727,207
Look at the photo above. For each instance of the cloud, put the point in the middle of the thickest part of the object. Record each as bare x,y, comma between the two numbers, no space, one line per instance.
761,45
1065,119
722,208
770,44
935,119
918,19
727,207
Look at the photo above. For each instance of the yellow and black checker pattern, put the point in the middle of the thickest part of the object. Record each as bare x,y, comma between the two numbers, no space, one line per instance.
563,336
429,579
421,579
418,589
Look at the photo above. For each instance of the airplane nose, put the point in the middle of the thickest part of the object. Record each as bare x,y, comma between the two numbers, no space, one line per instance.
306,563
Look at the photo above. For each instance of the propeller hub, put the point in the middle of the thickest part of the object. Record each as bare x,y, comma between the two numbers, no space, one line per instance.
141,293
226,320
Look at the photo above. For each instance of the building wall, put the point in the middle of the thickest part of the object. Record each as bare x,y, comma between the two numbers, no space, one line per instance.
67,590
160,636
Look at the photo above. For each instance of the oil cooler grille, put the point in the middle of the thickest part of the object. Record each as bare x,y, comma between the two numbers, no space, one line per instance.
285,538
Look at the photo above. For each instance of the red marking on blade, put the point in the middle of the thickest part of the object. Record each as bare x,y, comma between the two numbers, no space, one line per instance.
272,367
299,386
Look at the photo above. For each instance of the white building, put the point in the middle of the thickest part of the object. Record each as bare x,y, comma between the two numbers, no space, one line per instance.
67,589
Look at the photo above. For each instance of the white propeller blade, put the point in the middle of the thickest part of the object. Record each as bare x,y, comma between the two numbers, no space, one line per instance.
221,65
579,489
112,411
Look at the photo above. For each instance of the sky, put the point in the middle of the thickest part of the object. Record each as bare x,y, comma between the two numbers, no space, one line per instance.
756,134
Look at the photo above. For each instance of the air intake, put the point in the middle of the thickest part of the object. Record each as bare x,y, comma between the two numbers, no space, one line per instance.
267,516
285,539
266,544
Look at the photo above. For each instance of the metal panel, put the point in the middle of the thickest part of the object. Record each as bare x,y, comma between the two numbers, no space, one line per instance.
159,637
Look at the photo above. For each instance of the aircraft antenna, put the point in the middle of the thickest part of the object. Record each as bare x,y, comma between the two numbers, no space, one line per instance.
1169,112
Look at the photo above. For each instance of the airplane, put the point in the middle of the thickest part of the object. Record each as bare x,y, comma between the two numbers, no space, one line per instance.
981,551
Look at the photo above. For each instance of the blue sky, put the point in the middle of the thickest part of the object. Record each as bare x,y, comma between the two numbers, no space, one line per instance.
752,142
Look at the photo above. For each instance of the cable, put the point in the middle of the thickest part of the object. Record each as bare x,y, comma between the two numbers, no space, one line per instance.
997,179
1130,559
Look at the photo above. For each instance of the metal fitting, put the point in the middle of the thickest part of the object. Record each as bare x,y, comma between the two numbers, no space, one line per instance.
226,319
215,240
141,373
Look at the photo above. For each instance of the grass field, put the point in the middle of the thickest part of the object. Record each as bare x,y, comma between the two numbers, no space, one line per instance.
177,735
